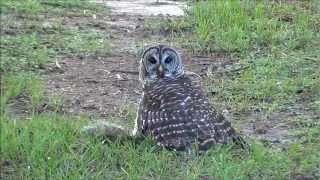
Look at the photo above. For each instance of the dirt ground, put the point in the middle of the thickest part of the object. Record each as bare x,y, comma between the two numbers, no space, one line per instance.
98,85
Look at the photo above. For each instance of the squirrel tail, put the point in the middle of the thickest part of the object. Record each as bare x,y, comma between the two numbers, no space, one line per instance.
108,129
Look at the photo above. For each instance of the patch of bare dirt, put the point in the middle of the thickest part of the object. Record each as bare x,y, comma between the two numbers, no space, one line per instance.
279,129
97,85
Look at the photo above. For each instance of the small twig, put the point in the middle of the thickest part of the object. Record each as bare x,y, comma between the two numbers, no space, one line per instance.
57,64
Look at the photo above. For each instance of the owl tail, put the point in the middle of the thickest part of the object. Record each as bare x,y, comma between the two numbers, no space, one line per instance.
108,129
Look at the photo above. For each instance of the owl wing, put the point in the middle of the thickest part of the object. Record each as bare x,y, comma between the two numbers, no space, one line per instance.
213,127
177,115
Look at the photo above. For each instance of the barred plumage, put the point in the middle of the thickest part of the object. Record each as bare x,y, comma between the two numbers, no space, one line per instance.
174,110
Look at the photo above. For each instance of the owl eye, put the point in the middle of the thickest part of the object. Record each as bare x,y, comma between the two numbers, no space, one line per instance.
152,60
168,60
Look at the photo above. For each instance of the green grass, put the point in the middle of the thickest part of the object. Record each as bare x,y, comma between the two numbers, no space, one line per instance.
278,47
50,145
32,7
279,66
237,26
30,50
269,82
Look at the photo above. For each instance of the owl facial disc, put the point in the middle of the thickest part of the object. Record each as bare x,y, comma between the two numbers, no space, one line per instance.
159,62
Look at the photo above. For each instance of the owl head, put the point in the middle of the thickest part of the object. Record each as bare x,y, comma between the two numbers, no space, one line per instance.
160,61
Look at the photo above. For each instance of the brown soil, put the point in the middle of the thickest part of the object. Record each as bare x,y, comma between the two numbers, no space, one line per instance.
97,85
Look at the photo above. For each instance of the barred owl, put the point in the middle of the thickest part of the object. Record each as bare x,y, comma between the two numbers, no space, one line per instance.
174,110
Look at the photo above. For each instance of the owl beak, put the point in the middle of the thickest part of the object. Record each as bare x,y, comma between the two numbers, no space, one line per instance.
160,71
